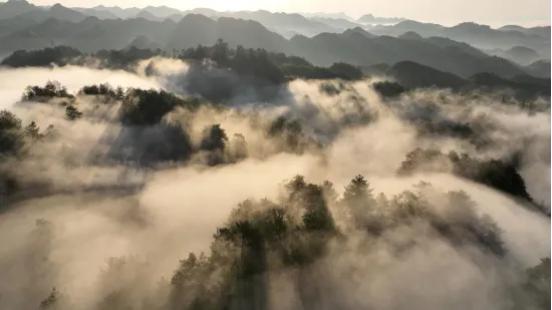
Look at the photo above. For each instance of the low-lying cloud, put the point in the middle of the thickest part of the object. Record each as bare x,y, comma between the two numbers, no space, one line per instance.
107,229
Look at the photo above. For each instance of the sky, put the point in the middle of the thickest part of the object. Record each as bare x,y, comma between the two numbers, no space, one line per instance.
447,12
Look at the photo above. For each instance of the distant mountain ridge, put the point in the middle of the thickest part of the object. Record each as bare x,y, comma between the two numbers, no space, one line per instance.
355,46
480,36
371,19
291,24
286,24
322,40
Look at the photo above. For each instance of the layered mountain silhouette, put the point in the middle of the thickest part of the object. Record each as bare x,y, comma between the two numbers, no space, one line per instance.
14,8
413,75
363,49
21,9
283,23
323,40
481,36
355,46
539,68
371,19
20,14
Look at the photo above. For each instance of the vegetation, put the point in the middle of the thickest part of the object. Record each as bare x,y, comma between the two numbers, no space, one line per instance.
103,90
10,133
72,113
148,107
273,67
290,133
51,90
214,141
151,144
264,237
126,57
494,173
59,56
226,123
520,87
389,89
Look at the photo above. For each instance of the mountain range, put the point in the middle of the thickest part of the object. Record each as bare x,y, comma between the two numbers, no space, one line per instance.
412,75
480,36
286,24
290,24
323,40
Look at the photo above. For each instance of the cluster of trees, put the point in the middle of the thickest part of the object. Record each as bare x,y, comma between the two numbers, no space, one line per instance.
308,71
431,119
309,223
253,62
494,173
274,67
11,133
264,236
104,90
15,139
125,58
59,55
388,89
143,115
14,136
289,132
51,90
214,141
269,66
148,137
292,233
64,55
148,107
148,145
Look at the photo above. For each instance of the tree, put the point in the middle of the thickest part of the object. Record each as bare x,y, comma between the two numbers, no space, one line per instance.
52,89
72,113
214,138
346,71
59,55
360,206
221,52
389,89
10,133
290,132
32,131
148,107
358,190
214,142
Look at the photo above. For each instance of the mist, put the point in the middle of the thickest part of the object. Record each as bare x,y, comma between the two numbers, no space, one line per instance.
108,205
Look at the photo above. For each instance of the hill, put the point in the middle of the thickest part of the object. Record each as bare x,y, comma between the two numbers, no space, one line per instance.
356,46
480,36
413,75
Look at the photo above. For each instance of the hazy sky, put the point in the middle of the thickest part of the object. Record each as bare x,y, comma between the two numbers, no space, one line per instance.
494,12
